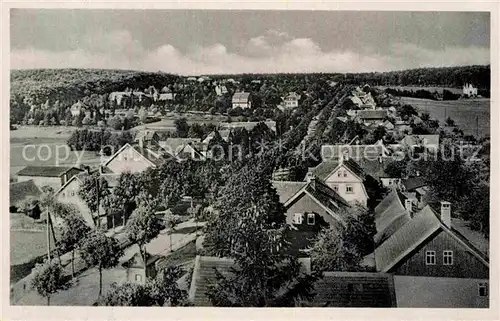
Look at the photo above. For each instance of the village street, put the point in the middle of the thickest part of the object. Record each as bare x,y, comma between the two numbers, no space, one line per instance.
85,289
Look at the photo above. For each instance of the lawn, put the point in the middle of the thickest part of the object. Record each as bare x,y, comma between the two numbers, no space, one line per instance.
180,256
463,112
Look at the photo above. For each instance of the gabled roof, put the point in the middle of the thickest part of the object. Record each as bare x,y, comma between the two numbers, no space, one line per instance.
411,235
175,146
372,114
22,190
354,289
375,168
323,195
45,171
145,134
153,158
204,276
241,97
406,239
326,168
78,105
413,183
390,215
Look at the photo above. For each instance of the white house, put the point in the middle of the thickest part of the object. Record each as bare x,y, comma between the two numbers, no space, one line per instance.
291,100
77,108
469,90
241,100
133,160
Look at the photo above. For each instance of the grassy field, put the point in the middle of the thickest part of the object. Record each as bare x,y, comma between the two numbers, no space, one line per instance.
463,112
431,89
45,146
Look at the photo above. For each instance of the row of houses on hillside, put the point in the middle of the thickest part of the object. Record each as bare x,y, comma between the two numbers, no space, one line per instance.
244,100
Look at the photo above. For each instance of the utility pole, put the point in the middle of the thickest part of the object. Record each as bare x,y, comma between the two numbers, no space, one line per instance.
98,203
477,126
48,236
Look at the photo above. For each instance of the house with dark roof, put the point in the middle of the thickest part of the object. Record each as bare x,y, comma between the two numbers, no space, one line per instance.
391,213
334,289
137,268
290,101
147,137
241,100
310,206
204,276
371,116
183,148
416,186
430,258
428,245
52,176
133,159
345,177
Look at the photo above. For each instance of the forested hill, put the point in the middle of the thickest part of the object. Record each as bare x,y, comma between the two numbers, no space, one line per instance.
479,76
72,84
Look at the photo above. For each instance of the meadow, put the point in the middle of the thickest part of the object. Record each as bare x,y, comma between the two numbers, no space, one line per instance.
463,112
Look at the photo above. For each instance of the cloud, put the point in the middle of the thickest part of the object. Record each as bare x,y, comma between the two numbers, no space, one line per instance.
272,52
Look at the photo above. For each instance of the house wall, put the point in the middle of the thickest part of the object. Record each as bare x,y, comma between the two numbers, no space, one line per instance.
241,104
388,182
358,193
465,264
307,204
41,181
432,292
129,160
134,272
69,195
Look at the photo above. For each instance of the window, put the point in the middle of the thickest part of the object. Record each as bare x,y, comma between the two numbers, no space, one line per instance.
345,173
349,189
138,277
63,194
340,173
483,289
430,257
448,257
72,193
310,219
297,218
335,188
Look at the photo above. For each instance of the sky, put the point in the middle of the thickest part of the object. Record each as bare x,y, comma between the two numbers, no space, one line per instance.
195,42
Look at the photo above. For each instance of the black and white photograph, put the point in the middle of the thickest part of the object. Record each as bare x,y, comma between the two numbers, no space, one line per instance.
249,158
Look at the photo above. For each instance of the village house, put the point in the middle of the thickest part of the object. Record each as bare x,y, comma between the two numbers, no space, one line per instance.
51,176
147,137
166,97
248,125
426,251
344,176
333,289
371,116
183,148
220,90
241,100
416,187
137,269
468,90
291,100
77,108
68,194
134,159
420,143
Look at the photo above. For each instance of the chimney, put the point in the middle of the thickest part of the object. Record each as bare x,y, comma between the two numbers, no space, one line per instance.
141,142
446,213
408,205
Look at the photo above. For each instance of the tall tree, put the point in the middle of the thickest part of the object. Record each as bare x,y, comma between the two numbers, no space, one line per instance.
99,250
48,280
73,230
93,191
249,226
143,227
